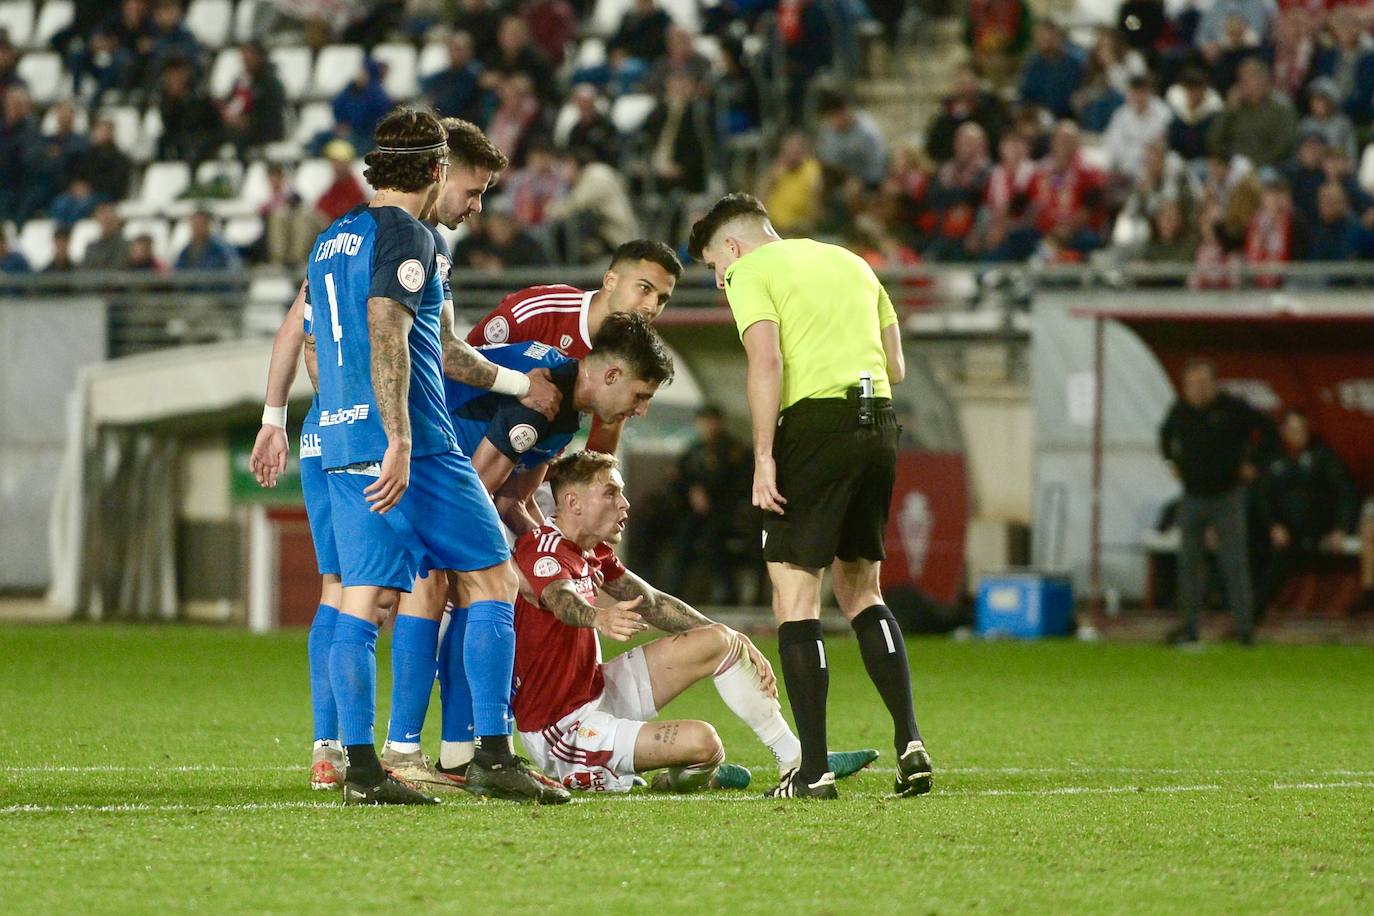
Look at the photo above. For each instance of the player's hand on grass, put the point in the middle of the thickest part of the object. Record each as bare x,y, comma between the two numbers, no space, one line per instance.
543,395
387,490
268,458
621,621
767,679
766,495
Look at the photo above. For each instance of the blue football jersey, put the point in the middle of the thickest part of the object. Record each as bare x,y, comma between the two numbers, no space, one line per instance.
525,436
376,252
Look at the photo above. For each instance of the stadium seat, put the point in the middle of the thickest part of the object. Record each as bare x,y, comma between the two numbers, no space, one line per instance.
335,68
244,14
16,18
606,16
210,21
82,124
313,118
83,233
293,66
225,70
591,53
563,124
163,183
128,129
154,227
629,111
433,58
55,16
243,231
313,178
151,130
42,71
230,169
686,13
400,82
709,47
35,241
255,189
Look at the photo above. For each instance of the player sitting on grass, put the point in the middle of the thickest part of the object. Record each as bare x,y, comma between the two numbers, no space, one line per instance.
587,723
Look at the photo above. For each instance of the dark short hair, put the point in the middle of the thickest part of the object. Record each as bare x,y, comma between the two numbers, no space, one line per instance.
648,250
729,207
469,148
633,339
1194,363
577,468
831,100
406,129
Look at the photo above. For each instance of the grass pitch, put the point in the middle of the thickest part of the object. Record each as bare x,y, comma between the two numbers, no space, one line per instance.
163,769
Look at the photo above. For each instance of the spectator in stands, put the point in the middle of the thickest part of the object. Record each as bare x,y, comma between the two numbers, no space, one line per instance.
1067,197
345,191
74,204
1295,49
956,193
9,62
593,130
1336,235
712,484
1171,241
142,255
1325,117
191,128
901,200
1339,167
1257,15
20,150
1111,66
1278,234
1195,105
360,105
102,66
1305,173
682,57
643,32
1207,438
1143,24
1141,121
287,234
54,160
495,242
1238,44
998,32
1163,178
736,93
479,20
552,25
849,139
455,91
1006,229
517,119
131,28
808,38
103,164
170,40
61,262
110,251
1349,62
678,137
11,261
87,16
1053,71
1217,264
206,250
254,113
618,75
967,101
533,188
791,187
1235,188
1256,124
596,215
1308,505
517,55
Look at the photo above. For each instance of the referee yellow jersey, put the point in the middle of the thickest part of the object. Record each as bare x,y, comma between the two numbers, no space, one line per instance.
830,309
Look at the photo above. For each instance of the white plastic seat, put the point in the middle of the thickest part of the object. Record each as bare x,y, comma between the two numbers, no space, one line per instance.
256,189
150,130
335,68
244,14
211,169
54,16
83,233
163,183
128,128
629,112
433,58
154,227
686,13
35,241
313,178
210,21
42,71
563,124
293,66
16,18
591,53
224,72
606,16
242,231
313,118
401,80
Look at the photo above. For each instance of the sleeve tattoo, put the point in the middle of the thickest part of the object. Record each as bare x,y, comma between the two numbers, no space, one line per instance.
660,609
563,601
462,362
387,324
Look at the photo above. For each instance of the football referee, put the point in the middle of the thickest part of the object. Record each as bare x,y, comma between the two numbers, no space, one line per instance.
824,348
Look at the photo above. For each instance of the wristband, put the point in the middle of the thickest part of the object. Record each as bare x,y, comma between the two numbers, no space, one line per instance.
274,416
508,381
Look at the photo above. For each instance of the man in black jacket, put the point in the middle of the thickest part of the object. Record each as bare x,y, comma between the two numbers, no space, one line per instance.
1208,438
1308,503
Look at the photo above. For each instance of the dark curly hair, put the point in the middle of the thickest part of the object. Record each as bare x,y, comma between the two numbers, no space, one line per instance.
632,339
469,148
421,138
651,251
729,207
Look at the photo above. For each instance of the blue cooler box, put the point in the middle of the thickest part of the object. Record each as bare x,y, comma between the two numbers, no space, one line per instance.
1024,605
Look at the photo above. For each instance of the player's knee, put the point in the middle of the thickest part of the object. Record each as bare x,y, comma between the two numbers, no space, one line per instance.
705,745
716,642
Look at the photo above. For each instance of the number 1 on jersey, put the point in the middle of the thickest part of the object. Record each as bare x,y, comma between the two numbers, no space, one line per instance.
334,314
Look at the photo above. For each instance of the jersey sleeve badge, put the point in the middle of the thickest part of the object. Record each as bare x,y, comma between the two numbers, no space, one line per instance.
546,567
523,437
497,330
411,275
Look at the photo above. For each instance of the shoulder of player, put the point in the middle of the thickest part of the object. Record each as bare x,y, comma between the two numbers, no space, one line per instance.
546,543
398,230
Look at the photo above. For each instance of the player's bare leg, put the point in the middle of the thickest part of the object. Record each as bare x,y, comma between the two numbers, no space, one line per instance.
414,651
326,756
353,674
689,749
883,649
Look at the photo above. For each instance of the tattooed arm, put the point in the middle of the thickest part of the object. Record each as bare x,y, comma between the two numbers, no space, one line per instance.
463,363
619,621
668,613
388,325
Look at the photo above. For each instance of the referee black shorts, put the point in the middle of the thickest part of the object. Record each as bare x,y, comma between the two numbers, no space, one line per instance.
837,478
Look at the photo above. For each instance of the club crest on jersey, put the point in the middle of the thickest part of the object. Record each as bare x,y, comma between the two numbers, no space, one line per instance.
522,437
411,275
565,341
545,567
497,330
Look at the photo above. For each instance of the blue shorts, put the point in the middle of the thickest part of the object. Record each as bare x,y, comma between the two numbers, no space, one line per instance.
315,486
444,521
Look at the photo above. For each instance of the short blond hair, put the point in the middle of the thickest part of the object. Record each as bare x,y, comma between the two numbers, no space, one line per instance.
577,469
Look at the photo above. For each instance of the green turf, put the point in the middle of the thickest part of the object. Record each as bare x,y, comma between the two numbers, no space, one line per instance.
165,770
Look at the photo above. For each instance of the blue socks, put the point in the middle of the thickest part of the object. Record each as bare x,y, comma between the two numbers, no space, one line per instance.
489,658
453,680
413,647
353,675
325,712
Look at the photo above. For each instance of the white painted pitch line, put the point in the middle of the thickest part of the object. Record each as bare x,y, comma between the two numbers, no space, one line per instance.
152,767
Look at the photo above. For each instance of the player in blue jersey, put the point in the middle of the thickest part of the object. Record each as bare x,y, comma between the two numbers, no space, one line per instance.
404,500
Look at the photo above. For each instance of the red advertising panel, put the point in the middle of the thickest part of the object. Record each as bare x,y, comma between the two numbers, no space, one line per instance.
925,534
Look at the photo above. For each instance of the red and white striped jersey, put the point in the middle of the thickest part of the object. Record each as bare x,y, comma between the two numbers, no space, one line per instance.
553,315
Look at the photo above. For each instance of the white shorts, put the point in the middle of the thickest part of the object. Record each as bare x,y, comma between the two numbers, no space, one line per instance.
592,748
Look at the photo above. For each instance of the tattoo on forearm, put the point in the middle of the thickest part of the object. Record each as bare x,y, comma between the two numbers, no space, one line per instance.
660,609
462,362
387,327
563,601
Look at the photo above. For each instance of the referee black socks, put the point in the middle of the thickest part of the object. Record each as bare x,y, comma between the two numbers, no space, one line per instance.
884,654
804,671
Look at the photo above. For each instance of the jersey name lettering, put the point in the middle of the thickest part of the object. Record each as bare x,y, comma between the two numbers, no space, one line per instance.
344,415
347,242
